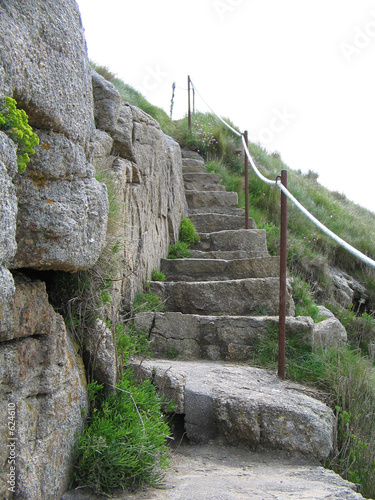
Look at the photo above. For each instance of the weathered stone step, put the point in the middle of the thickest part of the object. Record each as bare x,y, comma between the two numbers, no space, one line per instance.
226,255
202,182
243,405
245,297
212,223
192,162
196,199
185,153
217,210
226,338
252,241
218,269
193,169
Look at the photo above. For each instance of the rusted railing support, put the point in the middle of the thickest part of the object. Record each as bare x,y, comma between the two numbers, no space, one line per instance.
189,107
246,183
283,257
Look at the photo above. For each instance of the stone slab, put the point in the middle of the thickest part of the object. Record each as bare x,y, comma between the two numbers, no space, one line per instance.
228,338
254,296
246,240
219,269
203,182
243,405
211,198
207,223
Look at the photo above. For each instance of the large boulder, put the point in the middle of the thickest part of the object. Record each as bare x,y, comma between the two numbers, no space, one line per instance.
43,382
44,65
62,216
62,209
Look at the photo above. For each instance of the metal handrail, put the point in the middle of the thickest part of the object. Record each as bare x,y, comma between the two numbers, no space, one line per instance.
281,183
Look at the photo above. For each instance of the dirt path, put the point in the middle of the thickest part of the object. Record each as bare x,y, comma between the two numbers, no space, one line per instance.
218,472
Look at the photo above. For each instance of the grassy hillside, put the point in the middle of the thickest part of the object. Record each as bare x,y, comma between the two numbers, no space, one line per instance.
345,374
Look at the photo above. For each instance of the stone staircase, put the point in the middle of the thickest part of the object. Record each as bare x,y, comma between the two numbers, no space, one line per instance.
217,304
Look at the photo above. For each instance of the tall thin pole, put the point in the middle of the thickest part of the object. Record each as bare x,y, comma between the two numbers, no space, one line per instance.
189,110
246,183
283,257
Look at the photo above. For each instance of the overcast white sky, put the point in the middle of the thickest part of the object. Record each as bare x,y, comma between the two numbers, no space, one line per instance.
298,75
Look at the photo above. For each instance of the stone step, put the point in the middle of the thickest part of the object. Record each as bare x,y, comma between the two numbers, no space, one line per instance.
191,154
212,223
195,169
196,199
217,210
202,182
226,338
218,269
192,162
245,297
227,255
252,241
243,405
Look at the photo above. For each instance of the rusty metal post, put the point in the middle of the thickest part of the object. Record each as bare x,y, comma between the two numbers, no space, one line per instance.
246,183
283,257
189,110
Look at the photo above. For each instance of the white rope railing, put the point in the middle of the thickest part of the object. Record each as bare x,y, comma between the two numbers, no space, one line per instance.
313,219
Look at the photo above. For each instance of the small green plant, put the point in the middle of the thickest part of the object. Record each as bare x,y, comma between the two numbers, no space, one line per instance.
125,442
179,250
147,302
14,122
157,275
172,353
188,233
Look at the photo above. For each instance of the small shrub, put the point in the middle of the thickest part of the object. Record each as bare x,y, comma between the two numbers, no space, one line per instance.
14,122
179,250
157,275
125,442
188,234
147,302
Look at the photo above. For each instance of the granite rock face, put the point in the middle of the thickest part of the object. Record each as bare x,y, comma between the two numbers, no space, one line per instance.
8,217
146,170
62,216
62,209
43,379
44,65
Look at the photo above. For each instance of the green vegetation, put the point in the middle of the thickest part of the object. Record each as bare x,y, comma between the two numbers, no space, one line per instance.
157,275
188,234
188,237
14,122
147,301
179,250
124,443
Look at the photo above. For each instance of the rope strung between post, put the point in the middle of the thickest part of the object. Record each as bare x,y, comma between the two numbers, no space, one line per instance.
313,219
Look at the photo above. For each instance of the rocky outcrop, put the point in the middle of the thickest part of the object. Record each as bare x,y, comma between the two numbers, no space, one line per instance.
146,170
347,290
54,217
8,217
44,66
43,382
330,331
